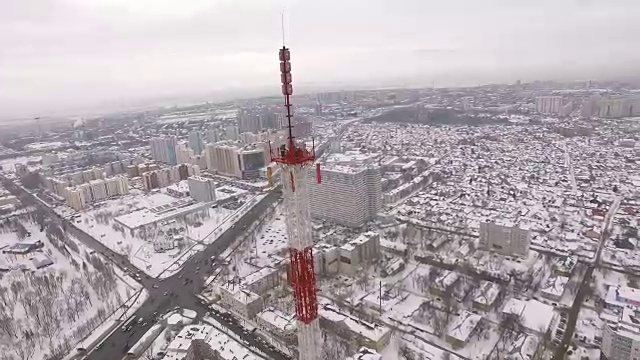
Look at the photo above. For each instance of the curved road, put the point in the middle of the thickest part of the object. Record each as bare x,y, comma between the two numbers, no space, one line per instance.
180,289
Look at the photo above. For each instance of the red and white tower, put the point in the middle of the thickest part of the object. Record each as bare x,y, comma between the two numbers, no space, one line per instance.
294,161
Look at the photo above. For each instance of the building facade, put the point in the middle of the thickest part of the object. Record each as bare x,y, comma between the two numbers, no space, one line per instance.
202,189
621,339
506,240
163,149
196,142
359,191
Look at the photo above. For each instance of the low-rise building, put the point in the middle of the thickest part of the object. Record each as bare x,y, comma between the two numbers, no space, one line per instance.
274,321
485,295
565,265
363,250
619,297
262,280
554,287
462,328
444,283
241,301
371,335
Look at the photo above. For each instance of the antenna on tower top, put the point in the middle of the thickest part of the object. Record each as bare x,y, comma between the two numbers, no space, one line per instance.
282,19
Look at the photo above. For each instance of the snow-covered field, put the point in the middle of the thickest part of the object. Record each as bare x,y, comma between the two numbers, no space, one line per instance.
200,227
46,309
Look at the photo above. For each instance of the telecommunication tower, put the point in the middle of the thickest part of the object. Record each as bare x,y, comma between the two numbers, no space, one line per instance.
295,160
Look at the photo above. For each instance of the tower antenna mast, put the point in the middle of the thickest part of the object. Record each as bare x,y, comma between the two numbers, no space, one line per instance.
294,161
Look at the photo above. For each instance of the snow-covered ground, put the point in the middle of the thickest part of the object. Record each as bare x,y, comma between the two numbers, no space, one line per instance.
59,303
200,227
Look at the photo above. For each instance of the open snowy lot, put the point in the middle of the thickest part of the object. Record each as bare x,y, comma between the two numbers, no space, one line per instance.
53,291
163,243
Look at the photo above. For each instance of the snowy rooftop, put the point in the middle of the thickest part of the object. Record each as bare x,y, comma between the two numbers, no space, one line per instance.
366,354
278,319
366,329
227,348
536,316
486,293
555,285
464,325
258,275
523,348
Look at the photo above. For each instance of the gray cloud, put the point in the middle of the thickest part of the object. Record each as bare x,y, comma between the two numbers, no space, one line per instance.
70,54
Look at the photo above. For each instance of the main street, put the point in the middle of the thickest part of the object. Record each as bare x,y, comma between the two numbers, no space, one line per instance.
586,282
179,288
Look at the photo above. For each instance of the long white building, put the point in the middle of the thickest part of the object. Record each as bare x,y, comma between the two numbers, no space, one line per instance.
348,196
79,196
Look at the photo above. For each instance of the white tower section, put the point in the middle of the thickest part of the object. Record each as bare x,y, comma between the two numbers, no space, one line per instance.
298,221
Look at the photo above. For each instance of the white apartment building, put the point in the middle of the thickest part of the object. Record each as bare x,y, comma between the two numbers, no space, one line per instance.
347,196
98,190
78,197
163,149
619,106
183,153
202,189
505,239
210,157
75,199
226,159
551,104
621,339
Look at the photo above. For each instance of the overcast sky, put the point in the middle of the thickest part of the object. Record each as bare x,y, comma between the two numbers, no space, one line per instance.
73,54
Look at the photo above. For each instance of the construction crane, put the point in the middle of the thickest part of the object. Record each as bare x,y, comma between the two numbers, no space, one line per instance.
295,161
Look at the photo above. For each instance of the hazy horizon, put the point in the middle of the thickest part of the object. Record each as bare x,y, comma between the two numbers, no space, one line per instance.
71,55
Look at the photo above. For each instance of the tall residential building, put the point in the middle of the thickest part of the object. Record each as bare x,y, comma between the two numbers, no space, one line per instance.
195,142
505,239
232,132
210,156
167,176
227,160
183,154
75,199
212,136
550,104
98,190
117,185
621,339
359,190
202,189
163,149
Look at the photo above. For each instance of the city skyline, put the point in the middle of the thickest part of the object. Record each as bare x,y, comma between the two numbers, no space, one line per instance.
65,55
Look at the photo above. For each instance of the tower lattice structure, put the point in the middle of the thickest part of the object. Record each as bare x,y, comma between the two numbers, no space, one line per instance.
294,161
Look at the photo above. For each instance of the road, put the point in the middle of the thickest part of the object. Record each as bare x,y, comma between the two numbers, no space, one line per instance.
179,288
586,281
